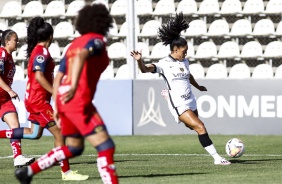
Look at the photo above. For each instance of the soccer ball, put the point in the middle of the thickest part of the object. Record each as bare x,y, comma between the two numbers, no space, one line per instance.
235,148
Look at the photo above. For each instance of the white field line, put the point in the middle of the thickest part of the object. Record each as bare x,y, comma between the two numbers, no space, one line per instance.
185,155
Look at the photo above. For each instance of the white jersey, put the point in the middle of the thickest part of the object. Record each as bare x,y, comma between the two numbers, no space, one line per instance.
176,75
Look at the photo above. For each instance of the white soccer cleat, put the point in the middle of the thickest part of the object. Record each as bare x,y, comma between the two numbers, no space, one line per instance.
21,161
222,161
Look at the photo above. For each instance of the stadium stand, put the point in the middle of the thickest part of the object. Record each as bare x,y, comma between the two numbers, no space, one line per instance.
229,32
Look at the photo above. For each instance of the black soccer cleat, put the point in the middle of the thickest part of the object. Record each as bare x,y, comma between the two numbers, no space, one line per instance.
21,175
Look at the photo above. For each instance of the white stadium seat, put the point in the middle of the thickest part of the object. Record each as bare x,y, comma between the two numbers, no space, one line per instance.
145,49
164,7
123,72
241,27
63,30
239,71
150,28
196,28
262,71
263,27
218,27
32,9
113,31
252,49
3,26
216,71
273,7
11,9
229,49
74,7
54,50
21,29
273,50
108,72
231,7
124,30
144,7
209,7
119,8
278,73
117,50
206,50
187,7
278,31
55,9
197,70
159,51
253,7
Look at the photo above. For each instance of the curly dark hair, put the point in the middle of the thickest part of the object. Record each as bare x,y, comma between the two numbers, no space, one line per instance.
38,30
169,33
6,35
94,18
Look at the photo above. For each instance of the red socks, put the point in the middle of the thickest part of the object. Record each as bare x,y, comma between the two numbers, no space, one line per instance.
16,147
55,155
106,167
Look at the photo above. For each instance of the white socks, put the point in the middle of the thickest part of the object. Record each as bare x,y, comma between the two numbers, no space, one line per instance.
212,151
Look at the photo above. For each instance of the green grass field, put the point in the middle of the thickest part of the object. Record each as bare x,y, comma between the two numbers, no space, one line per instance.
173,159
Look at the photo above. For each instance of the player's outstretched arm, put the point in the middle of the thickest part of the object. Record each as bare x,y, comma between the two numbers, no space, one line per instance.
195,84
138,57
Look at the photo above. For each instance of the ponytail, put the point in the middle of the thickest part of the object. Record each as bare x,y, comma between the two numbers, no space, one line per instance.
37,30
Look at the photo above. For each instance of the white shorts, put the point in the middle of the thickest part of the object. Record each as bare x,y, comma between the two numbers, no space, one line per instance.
176,112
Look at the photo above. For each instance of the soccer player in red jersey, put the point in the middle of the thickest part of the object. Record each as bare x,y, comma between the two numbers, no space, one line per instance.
74,89
39,91
8,113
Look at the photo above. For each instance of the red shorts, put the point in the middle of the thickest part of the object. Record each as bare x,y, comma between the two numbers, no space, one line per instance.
77,124
6,108
44,118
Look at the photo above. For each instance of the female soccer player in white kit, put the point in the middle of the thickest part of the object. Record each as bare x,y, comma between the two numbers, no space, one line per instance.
175,70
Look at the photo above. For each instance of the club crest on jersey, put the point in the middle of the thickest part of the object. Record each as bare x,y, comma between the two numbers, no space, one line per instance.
181,69
1,62
40,59
37,67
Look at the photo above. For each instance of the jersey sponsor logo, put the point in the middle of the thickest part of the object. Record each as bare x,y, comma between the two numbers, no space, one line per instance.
40,59
150,114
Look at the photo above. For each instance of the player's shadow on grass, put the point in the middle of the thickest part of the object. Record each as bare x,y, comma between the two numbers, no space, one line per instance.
235,161
161,175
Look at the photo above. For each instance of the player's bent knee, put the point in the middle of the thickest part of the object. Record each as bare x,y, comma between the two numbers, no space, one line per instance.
34,134
75,151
